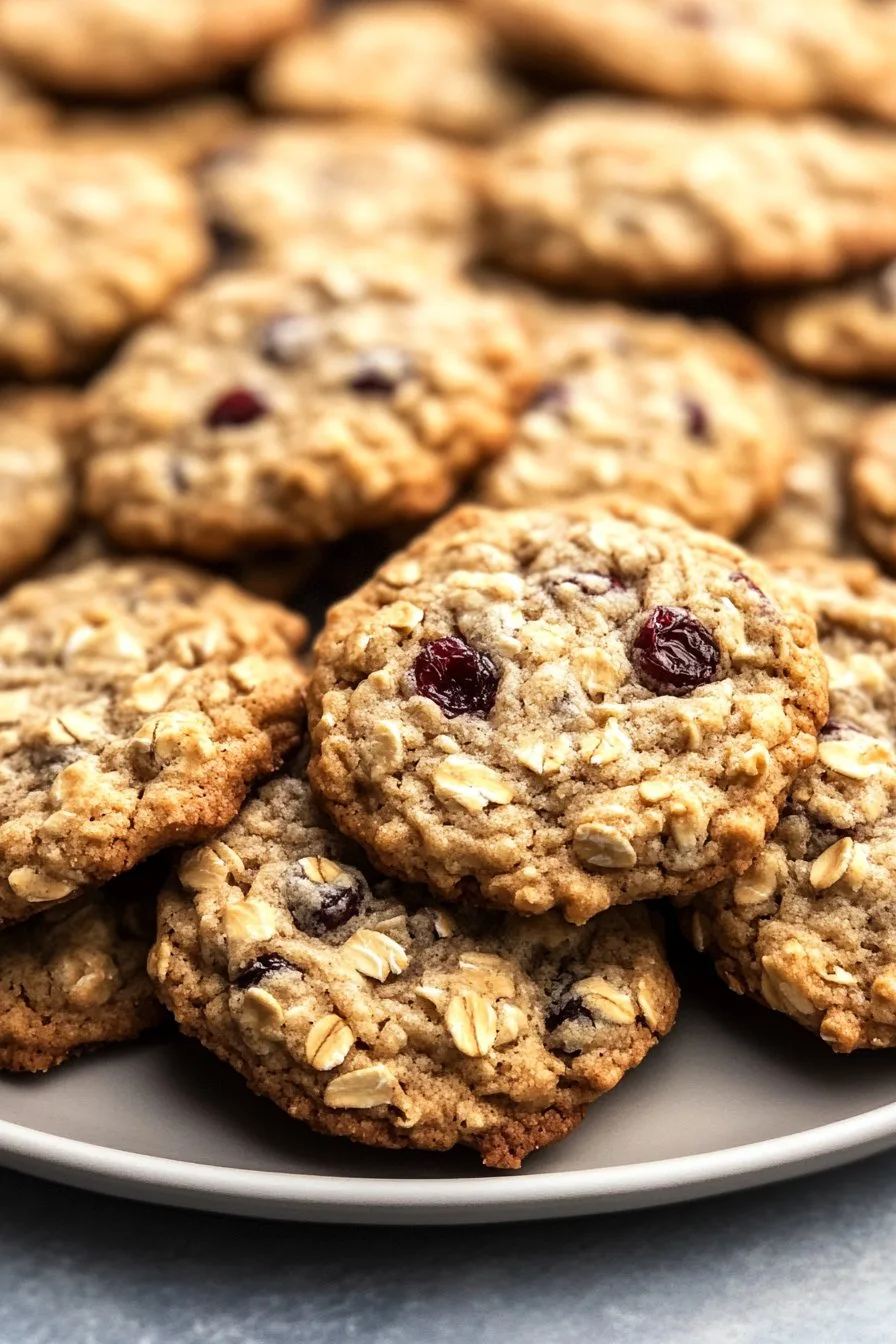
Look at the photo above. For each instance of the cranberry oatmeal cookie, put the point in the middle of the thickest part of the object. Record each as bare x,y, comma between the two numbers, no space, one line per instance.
873,480
36,483
138,703
612,197
267,411
840,331
678,414
810,928
545,709
364,1009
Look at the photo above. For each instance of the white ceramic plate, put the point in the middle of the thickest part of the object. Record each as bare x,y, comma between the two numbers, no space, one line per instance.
735,1097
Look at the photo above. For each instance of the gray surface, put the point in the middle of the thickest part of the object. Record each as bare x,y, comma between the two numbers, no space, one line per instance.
806,1261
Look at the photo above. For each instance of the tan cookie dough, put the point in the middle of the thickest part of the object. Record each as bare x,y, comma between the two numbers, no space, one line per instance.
680,414
540,709
810,928
37,489
782,55
179,134
364,1009
74,978
90,245
840,331
138,48
268,412
138,703
410,62
611,196
873,480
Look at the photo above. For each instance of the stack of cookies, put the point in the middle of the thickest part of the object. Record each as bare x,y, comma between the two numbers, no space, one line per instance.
563,415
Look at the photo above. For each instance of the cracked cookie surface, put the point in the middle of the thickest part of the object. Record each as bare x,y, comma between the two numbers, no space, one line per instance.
839,331
679,414
538,708
364,1009
36,481
613,197
810,928
138,703
267,411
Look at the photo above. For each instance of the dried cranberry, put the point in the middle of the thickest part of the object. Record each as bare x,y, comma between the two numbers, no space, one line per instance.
322,907
570,1009
287,338
460,680
379,371
266,964
739,577
553,396
695,418
674,652
239,406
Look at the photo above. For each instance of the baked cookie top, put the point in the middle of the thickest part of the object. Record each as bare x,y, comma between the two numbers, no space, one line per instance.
90,244
36,482
782,55
810,928
74,978
546,709
847,330
138,703
266,410
873,481
614,196
361,1007
680,414
412,62
286,189
137,48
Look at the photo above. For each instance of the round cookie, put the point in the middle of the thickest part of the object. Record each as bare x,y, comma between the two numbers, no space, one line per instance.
138,703
411,62
839,331
873,481
90,245
74,978
611,197
782,55
266,411
179,134
287,189
579,710
36,483
678,414
367,1011
810,928
135,50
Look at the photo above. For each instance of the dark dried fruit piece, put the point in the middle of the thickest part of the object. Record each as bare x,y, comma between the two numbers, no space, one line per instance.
457,678
571,1009
551,396
739,577
838,728
696,419
674,653
322,907
266,964
379,371
239,406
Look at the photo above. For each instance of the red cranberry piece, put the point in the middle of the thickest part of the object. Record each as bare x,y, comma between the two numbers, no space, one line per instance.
460,680
239,406
379,371
674,652
266,964
287,338
552,396
696,419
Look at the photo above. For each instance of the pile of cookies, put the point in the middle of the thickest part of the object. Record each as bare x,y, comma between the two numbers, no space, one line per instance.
541,350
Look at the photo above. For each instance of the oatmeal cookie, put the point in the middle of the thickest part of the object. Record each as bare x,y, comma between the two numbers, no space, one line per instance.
362,1008
572,709
676,413
846,330
179,134
611,196
267,411
138,703
873,479
36,482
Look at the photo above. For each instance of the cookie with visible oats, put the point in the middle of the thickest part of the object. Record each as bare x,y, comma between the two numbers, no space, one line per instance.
676,413
410,62
810,928
127,50
361,1007
873,481
846,330
138,703
36,481
577,709
609,197
74,978
90,245
270,411
783,55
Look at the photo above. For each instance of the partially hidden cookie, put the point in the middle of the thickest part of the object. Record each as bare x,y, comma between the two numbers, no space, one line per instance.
847,330
270,411
540,709
783,55
611,196
24,115
74,978
179,134
361,1007
873,481
138,703
680,414
411,62
119,48
37,487
91,245
284,190
810,928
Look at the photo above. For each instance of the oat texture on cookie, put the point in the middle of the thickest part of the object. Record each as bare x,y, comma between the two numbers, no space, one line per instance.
365,1009
138,703
573,709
